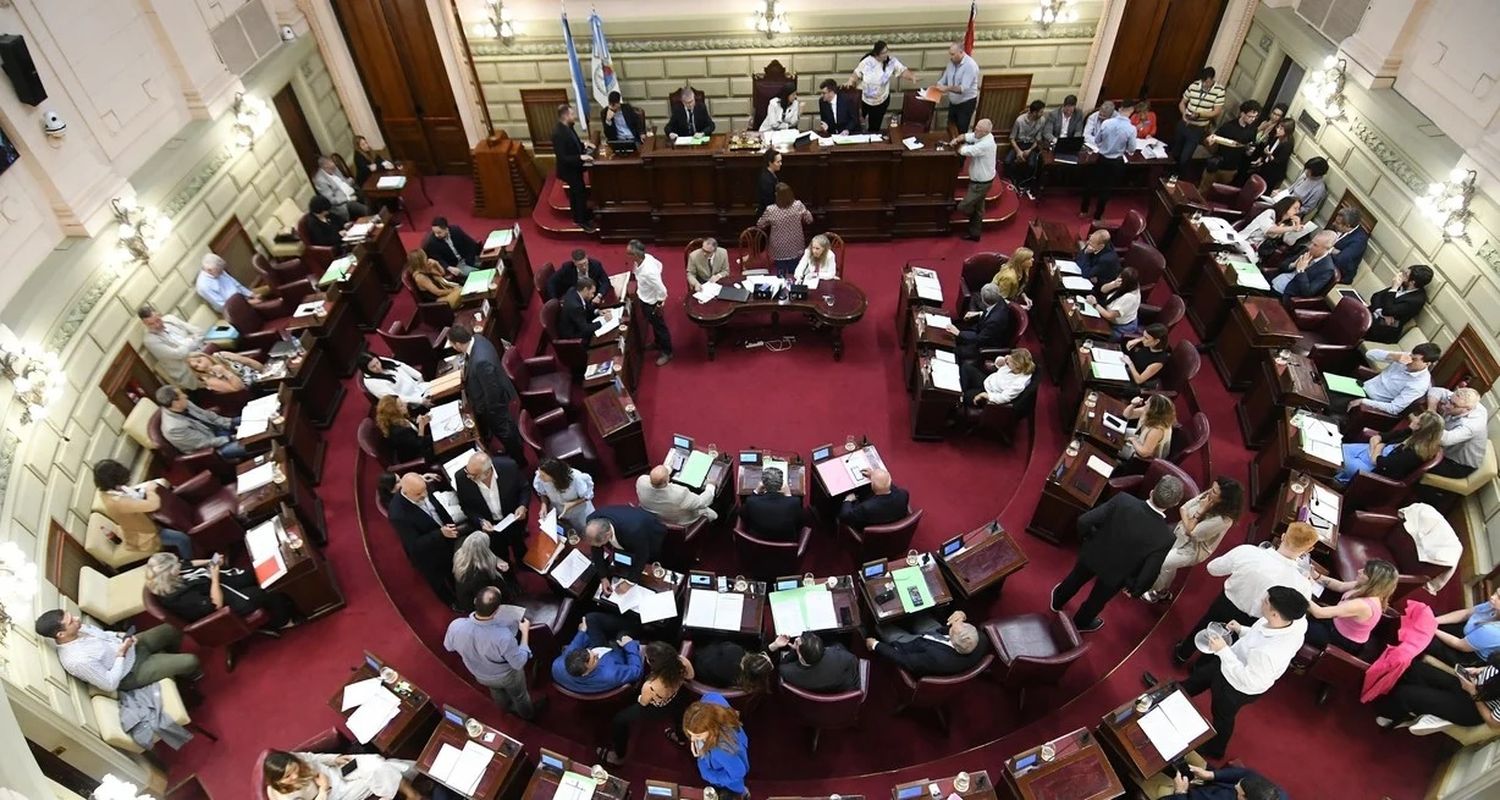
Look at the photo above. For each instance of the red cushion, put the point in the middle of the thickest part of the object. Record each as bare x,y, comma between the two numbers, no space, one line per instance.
1024,635
1354,552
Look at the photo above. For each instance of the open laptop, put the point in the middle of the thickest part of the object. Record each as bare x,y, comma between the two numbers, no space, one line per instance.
734,294
1068,146
624,146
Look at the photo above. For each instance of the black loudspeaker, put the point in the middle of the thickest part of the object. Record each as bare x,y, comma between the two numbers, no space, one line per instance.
18,67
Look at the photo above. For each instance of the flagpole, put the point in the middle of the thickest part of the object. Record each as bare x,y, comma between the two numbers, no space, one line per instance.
484,104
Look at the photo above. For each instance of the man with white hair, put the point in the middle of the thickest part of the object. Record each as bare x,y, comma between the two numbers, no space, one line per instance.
340,192
979,148
923,647
674,503
1465,425
689,118
1312,272
215,285
707,264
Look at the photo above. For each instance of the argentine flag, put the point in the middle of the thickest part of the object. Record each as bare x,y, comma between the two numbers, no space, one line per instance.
580,92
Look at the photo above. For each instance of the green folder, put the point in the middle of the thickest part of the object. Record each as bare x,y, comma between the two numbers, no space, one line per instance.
1343,385
695,470
337,271
479,281
906,578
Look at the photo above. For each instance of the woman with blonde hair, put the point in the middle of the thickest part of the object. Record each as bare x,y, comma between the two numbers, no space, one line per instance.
1348,624
431,281
324,776
1014,371
194,589
407,438
476,566
224,373
1153,439
1397,454
783,223
817,261
717,740
1021,260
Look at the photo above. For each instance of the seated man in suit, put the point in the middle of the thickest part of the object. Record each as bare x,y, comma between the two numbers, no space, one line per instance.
1065,121
1349,248
772,513
189,428
575,319
885,504
342,194
689,118
1312,272
569,273
924,648
323,229
494,495
622,123
1391,309
989,328
627,529
709,263
674,503
807,663
601,657
427,533
452,247
836,113
1098,260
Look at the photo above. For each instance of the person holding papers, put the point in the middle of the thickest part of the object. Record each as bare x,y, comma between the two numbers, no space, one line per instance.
1097,259
579,265
1147,355
452,247
633,531
131,507
1404,381
652,294
406,438
666,673
919,645
772,513
486,640
1396,455
427,534
717,740
431,281
1013,373
194,589
488,391
979,147
494,495
189,428
1310,274
817,262
387,377
1125,542
224,372
960,82
1247,669
990,328
707,264
568,491
600,658
324,776
1349,623
674,503
806,662
1142,118
1121,304
1231,145
1153,436
1204,521
784,111
475,566
885,504
1251,570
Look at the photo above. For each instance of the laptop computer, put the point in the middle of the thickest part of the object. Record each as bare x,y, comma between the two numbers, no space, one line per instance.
1068,146
736,294
624,146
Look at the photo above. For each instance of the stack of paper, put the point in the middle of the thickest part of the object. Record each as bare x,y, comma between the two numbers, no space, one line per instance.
337,271
452,466
707,292
391,182
569,569
574,787
629,599
928,286
1321,440
478,281
1249,275
1067,267
461,769
657,606
307,309
806,608
251,427
912,143
500,238
1344,385
358,231
376,707
1100,466
256,477
718,610
264,407
606,325
857,138
264,544
945,375
1324,507
936,320
1173,725
945,355
445,420
1074,283
690,141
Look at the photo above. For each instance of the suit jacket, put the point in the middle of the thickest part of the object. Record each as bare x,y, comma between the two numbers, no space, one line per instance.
1222,787
575,319
1101,267
635,119
923,657
1054,124
334,187
1314,280
618,667
876,509
487,387
837,671
991,329
1404,308
1124,542
700,123
195,428
765,191
569,151
515,491
422,538
1351,250
566,277
439,251
840,115
776,517
639,532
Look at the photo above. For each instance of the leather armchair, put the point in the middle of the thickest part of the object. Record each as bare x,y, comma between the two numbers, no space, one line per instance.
999,420
1371,492
221,629
102,540
544,281
824,712
573,353
1122,232
936,692
106,706
683,547
1148,262
206,458
430,313
1361,417
552,436
739,699
1334,336
548,614
421,349
882,541
259,324
763,558
1193,439
1034,649
372,446
1450,490
315,257
205,510
1366,535
1228,201
540,381
916,114
114,598
1169,313
1022,322
978,269
1141,485
1333,666
288,279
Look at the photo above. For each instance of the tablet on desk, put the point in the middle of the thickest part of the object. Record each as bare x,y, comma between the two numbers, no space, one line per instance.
623,559
552,762
1026,762
749,457
909,792
681,442
822,453
874,570
953,546
787,583
453,717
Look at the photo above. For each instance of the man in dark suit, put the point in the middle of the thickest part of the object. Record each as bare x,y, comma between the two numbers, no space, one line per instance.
622,123
579,264
1124,543
573,156
765,183
689,118
923,647
322,229
807,663
885,504
836,114
488,390
1349,248
427,533
452,247
1310,274
1391,309
575,318
494,496
990,328
1098,260
772,513
628,529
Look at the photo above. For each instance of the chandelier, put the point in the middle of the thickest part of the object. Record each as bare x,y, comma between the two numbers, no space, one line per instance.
500,25
766,19
142,231
1447,203
1050,12
1324,88
37,378
18,584
251,118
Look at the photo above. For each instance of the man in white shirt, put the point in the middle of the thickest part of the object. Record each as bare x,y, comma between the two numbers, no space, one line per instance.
673,503
652,293
1405,379
215,285
338,190
112,661
171,341
1247,669
1465,430
960,81
979,148
1251,571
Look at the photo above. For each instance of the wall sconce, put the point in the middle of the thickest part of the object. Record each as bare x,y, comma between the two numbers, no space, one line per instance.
37,378
1447,203
1325,88
18,585
1050,12
251,118
768,20
142,230
113,788
500,25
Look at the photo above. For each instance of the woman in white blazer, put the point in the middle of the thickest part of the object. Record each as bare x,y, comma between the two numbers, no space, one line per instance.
783,111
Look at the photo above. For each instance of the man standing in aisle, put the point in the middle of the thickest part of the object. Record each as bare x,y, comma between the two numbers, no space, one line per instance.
979,148
1112,143
960,81
488,391
1200,106
486,641
573,157
652,294
1251,572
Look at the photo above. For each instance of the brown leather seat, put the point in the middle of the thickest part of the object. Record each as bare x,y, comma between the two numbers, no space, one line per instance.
763,558
1333,336
1122,232
550,435
221,629
1033,649
823,712
936,692
882,541
541,381
1368,535
422,350
206,510
1232,202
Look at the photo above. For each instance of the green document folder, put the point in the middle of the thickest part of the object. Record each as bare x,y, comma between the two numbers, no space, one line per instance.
906,578
1343,385
479,281
695,470
337,271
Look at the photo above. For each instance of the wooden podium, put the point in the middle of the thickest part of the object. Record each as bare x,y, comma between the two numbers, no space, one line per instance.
507,182
1256,327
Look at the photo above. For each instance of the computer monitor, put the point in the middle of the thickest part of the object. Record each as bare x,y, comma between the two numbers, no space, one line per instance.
623,559
822,452
909,792
453,717
680,441
700,580
1026,762
874,570
552,762
787,583
749,457
659,791
953,545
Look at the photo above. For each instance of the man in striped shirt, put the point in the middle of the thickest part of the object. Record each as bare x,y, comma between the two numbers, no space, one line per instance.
1200,105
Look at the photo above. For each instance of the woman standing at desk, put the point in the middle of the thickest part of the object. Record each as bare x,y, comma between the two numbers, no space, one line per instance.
784,111
873,78
570,491
1121,304
783,225
717,740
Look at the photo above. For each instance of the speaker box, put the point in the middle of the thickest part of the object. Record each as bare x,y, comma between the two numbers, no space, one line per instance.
18,67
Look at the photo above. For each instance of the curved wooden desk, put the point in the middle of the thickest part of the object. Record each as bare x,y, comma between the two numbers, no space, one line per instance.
833,306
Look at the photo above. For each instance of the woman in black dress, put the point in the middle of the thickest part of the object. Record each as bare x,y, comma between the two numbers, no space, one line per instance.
193,590
407,438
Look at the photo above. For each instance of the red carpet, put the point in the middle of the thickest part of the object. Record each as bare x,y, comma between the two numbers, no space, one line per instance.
795,400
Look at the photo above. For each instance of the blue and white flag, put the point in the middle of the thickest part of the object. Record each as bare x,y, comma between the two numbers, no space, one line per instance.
580,89
603,68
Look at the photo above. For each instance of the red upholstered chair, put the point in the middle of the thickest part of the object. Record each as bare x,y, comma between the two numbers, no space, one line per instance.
1371,492
314,257
978,269
430,312
544,281
1335,667
882,541
1169,313
260,324
422,350
916,114
1033,649
1334,335
205,510
1232,202
541,381
1021,322
221,629
1178,373
1141,485
1122,232
683,547
739,699
827,712
936,692
1148,262
206,458
573,353
373,446
754,251
999,420
289,279
1192,440
552,436
1368,535
548,614
329,741
763,558
1361,418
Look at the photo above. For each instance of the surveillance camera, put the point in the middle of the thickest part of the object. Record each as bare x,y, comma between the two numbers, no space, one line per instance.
53,124
287,34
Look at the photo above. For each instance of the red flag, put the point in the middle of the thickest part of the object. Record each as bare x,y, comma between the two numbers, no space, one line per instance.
969,34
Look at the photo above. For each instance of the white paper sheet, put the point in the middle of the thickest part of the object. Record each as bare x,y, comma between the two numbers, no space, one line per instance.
261,408
391,182
1253,280
1110,372
912,143
945,355
604,326
308,309
1104,355
1184,716
937,320
359,230
446,420
472,762
442,766
548,524
571,567
1114,423
817,611
251,427
1163,735
928,287
574,787
945,375
701,605
707,292
355,694
1100,466
455,465
788,619
728,611
631,599
373,715
1088,310
1067,267
255,478
657,606
1077,284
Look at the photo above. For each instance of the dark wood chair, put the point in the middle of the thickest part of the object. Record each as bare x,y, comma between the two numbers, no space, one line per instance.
1123,232
917,113
998,421
374,447
765,85
1033,650
544,281
1148,262
824,712
206,510
1169,313
1231,202
573,353
763,558
738,699
206,458
551,435
541,381
937,692
1141,485
259,324
754,251
315,257
1333,335
420,349
287,280
221,630
683,546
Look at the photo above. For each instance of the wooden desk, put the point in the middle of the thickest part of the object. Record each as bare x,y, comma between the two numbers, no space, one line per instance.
1218,286
833,306
266,501
668,581
315,382
546,777
750,612
462,439
831,477
1078,770
504,766
543,554
1071,325
908,298
1288,509
1051,237
1190,248
517,262
405,169
1078,380
665,790
989,554
1257,326
498,303
335,330
980,788
1170,201
1283,453
309,581
747,476
892,609
363,290
1121,735
1071,489
931,405
921,340
845,602
291,429
1047,290
1296,383
1089,421
1139,175
403,736
615,420
384,245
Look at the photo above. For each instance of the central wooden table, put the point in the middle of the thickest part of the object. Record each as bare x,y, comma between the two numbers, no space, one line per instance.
833,306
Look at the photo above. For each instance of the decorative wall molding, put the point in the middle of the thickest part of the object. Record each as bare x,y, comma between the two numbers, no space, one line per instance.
1489,253
1391,158
78,313
197,181
8,445
1027,33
